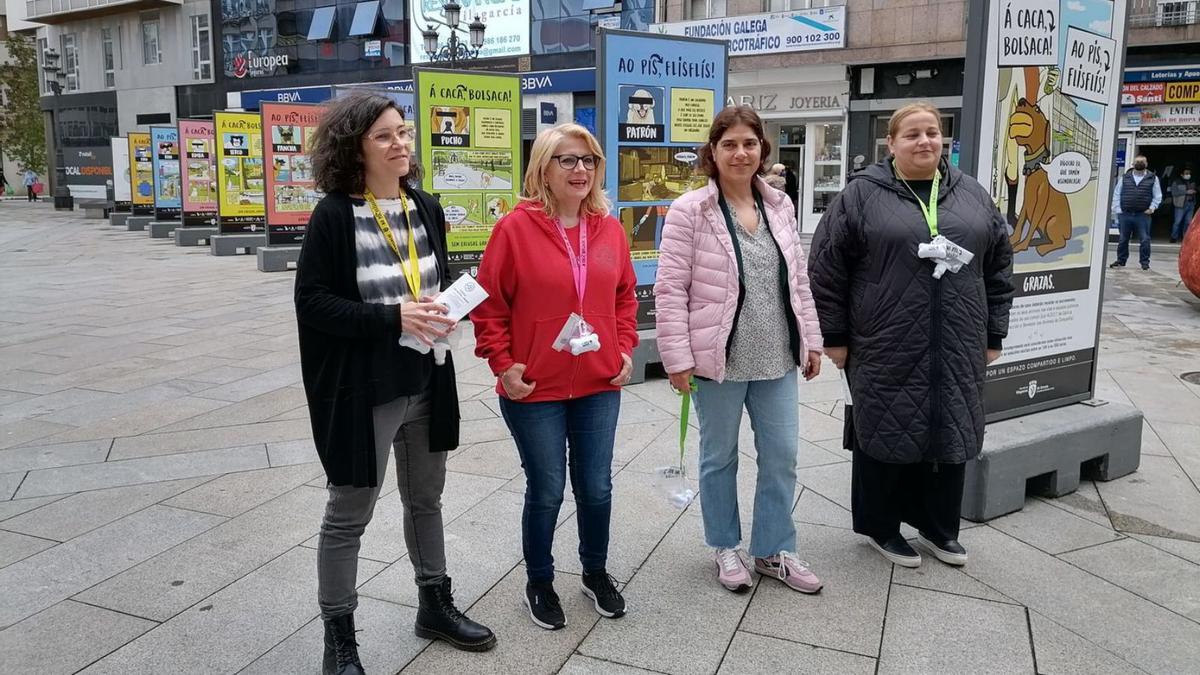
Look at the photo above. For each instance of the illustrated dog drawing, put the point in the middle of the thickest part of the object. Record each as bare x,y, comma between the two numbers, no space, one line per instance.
1044,209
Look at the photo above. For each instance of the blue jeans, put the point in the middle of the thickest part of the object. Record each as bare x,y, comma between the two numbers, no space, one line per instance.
1128,222
775,418
1183,216
543,431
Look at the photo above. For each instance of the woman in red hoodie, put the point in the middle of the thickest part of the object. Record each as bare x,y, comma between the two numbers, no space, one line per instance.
558,331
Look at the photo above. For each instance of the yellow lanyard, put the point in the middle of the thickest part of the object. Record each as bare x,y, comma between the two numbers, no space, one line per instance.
412,269
930,210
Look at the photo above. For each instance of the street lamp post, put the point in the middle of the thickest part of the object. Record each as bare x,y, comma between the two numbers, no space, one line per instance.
63,201
454,50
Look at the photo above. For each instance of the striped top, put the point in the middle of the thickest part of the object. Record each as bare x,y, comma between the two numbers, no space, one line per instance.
380,277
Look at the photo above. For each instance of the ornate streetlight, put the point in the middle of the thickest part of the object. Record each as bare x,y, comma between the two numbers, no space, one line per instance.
454,50
55,77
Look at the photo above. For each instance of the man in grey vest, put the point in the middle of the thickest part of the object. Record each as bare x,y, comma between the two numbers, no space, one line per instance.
1137,195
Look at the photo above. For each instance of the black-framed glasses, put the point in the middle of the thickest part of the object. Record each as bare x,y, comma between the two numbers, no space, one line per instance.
569,162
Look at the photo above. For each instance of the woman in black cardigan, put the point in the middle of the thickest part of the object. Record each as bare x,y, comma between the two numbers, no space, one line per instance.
373,259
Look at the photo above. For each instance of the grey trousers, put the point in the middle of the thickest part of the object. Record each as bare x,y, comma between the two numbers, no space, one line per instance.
402,424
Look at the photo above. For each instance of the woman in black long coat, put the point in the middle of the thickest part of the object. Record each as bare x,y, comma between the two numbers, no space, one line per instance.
373,257
914,347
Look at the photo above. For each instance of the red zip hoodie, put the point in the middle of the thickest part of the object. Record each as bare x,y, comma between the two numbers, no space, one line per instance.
528,276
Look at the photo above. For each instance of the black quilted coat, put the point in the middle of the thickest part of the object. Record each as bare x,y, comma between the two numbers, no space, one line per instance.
917,345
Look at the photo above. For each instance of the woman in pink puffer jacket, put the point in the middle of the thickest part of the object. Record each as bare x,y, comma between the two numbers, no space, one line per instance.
734,309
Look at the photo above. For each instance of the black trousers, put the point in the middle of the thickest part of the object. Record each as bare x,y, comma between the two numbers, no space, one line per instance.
925,495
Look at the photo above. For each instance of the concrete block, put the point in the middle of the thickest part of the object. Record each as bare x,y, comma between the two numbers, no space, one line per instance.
919,620
1050,447
118,219
66,637
749,653
236,244
162,229
83,512
56,574
193,236
644,354
138,223
65,479
277,258
235,493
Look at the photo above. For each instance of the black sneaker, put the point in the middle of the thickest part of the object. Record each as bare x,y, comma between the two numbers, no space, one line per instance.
896,550
601,587
1117,264
543,605
1145,267
950,552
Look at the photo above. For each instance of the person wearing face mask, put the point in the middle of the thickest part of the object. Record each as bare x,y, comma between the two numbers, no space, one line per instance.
914,344
1183,198
558,331
733,310
1136,198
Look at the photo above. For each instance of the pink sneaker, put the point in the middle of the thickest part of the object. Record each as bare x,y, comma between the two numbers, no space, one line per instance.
791,570
733,569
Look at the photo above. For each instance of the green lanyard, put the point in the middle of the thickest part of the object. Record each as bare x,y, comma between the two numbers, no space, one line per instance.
930,209
684,413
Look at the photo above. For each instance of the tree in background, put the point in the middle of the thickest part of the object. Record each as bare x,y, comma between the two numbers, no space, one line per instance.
21,132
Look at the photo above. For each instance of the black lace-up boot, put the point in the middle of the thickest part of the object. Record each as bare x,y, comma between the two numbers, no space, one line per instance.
439,619
341,649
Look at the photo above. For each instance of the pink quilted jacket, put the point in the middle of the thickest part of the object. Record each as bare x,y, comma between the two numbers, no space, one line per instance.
696,293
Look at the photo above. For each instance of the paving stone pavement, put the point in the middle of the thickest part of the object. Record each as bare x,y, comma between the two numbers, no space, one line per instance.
159,498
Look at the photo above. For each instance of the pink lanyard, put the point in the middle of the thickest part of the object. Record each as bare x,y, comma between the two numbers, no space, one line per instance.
578,265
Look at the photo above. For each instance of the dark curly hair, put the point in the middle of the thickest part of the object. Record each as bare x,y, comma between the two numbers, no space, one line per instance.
725,120
337,144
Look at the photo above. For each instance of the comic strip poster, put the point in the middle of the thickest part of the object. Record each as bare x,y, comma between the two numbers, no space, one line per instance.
1052,86
199,172
122,190
292,195
241,186
168,201
469,140
658,95
141,173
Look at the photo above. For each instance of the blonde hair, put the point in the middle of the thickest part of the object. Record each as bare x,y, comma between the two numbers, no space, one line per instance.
910,110
536,189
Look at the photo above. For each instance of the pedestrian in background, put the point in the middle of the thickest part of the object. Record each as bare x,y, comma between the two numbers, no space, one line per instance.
30,179
373,258
775,177
1183,198
1135,200
733,309
914,347
558,331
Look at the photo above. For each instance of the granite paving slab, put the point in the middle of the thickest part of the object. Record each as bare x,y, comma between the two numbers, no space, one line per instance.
66,637
83,512
46,578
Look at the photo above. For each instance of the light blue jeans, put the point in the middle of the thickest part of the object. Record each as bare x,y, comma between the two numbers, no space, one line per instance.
775,418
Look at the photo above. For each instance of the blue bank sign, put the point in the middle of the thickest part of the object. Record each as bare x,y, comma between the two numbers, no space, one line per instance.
795,31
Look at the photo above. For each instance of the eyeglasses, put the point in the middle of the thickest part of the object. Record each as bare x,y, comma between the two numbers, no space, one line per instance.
569,162
386,137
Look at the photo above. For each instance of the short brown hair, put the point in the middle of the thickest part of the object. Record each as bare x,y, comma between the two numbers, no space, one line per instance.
725,120
913,109
336,151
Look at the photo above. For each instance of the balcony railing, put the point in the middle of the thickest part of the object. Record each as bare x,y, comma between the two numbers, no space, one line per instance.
1163,13
59,11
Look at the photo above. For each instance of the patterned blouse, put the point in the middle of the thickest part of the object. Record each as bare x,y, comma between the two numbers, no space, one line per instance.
761,347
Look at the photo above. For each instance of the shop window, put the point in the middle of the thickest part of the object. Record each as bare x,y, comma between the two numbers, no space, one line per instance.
589,5
880,126
366,17
321,27
828,141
